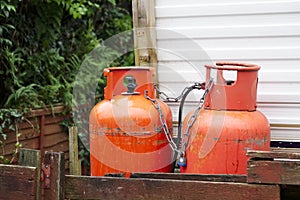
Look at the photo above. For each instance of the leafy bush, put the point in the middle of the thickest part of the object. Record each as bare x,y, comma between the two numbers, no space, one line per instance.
43,44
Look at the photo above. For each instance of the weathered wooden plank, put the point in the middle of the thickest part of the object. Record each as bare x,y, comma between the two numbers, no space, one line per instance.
32,158
18,182
122,188
26,134
286,154
192,177
53,128
26,123
54,139
288,150
75,164
59,146
56,119
274,172
32,143
56,163
47,111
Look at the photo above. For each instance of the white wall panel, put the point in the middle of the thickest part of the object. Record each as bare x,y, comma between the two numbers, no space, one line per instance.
168,3
215,53
277,114
231,41
285,134
238,8
263,32
212,21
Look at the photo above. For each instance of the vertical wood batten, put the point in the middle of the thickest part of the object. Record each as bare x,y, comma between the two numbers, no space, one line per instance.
74,163
42,134
143,12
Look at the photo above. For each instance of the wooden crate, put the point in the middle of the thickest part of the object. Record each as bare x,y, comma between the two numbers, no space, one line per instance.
56,185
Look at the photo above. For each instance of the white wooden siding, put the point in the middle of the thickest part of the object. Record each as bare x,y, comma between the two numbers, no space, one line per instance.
265,32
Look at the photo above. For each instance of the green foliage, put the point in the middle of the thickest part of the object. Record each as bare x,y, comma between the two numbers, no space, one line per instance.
43,45
78,9
9,118
5,9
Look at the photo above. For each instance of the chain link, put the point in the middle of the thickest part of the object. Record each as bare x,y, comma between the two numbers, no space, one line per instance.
165,97
192,119
163,121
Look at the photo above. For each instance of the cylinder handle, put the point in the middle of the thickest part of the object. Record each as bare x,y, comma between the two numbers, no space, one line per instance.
238,66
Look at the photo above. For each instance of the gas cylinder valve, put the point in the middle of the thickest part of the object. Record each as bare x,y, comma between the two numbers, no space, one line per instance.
130,83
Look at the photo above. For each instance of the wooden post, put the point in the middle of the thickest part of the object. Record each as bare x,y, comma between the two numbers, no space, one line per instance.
74,162
143,12
56,179
32,158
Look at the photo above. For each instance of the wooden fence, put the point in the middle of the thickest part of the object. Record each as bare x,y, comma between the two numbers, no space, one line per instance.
41,130
271,175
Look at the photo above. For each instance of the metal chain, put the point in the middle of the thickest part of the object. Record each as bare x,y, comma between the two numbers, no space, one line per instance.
193,118
163,121
165,97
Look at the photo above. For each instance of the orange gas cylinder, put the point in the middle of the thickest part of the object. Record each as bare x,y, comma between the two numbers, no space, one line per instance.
227,124
126,133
